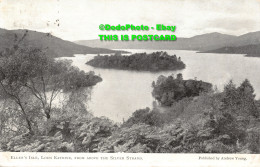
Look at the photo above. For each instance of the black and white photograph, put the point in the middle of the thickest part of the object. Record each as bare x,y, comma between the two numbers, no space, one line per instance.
130,76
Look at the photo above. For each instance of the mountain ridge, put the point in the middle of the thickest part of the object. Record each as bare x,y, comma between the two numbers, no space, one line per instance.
53,45
203,42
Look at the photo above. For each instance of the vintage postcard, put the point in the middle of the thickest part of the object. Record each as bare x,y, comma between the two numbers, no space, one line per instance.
154,83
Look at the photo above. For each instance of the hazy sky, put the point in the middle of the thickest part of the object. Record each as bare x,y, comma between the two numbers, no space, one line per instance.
79,19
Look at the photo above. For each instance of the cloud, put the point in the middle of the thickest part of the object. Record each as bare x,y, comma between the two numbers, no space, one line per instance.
79,19
233,23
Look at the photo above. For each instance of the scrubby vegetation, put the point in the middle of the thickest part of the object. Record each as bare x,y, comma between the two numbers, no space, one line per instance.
212,122
167,90
157,61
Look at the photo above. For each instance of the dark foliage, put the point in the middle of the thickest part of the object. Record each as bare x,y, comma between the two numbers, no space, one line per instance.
167,90
157,61
32,81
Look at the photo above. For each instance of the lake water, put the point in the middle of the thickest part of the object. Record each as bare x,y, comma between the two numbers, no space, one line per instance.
122,92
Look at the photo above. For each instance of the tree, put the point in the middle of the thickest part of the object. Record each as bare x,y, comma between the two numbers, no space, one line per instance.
246,92
28,76
11,78
179,76
240,101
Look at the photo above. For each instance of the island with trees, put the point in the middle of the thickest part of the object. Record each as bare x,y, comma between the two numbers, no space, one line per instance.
156,61
167,90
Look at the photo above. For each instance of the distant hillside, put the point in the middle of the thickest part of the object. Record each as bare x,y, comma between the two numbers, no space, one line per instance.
52,45
207,41
251,38
249,50
199,43
204,42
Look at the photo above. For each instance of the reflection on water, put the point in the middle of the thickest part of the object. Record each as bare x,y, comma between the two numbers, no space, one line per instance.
122,92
